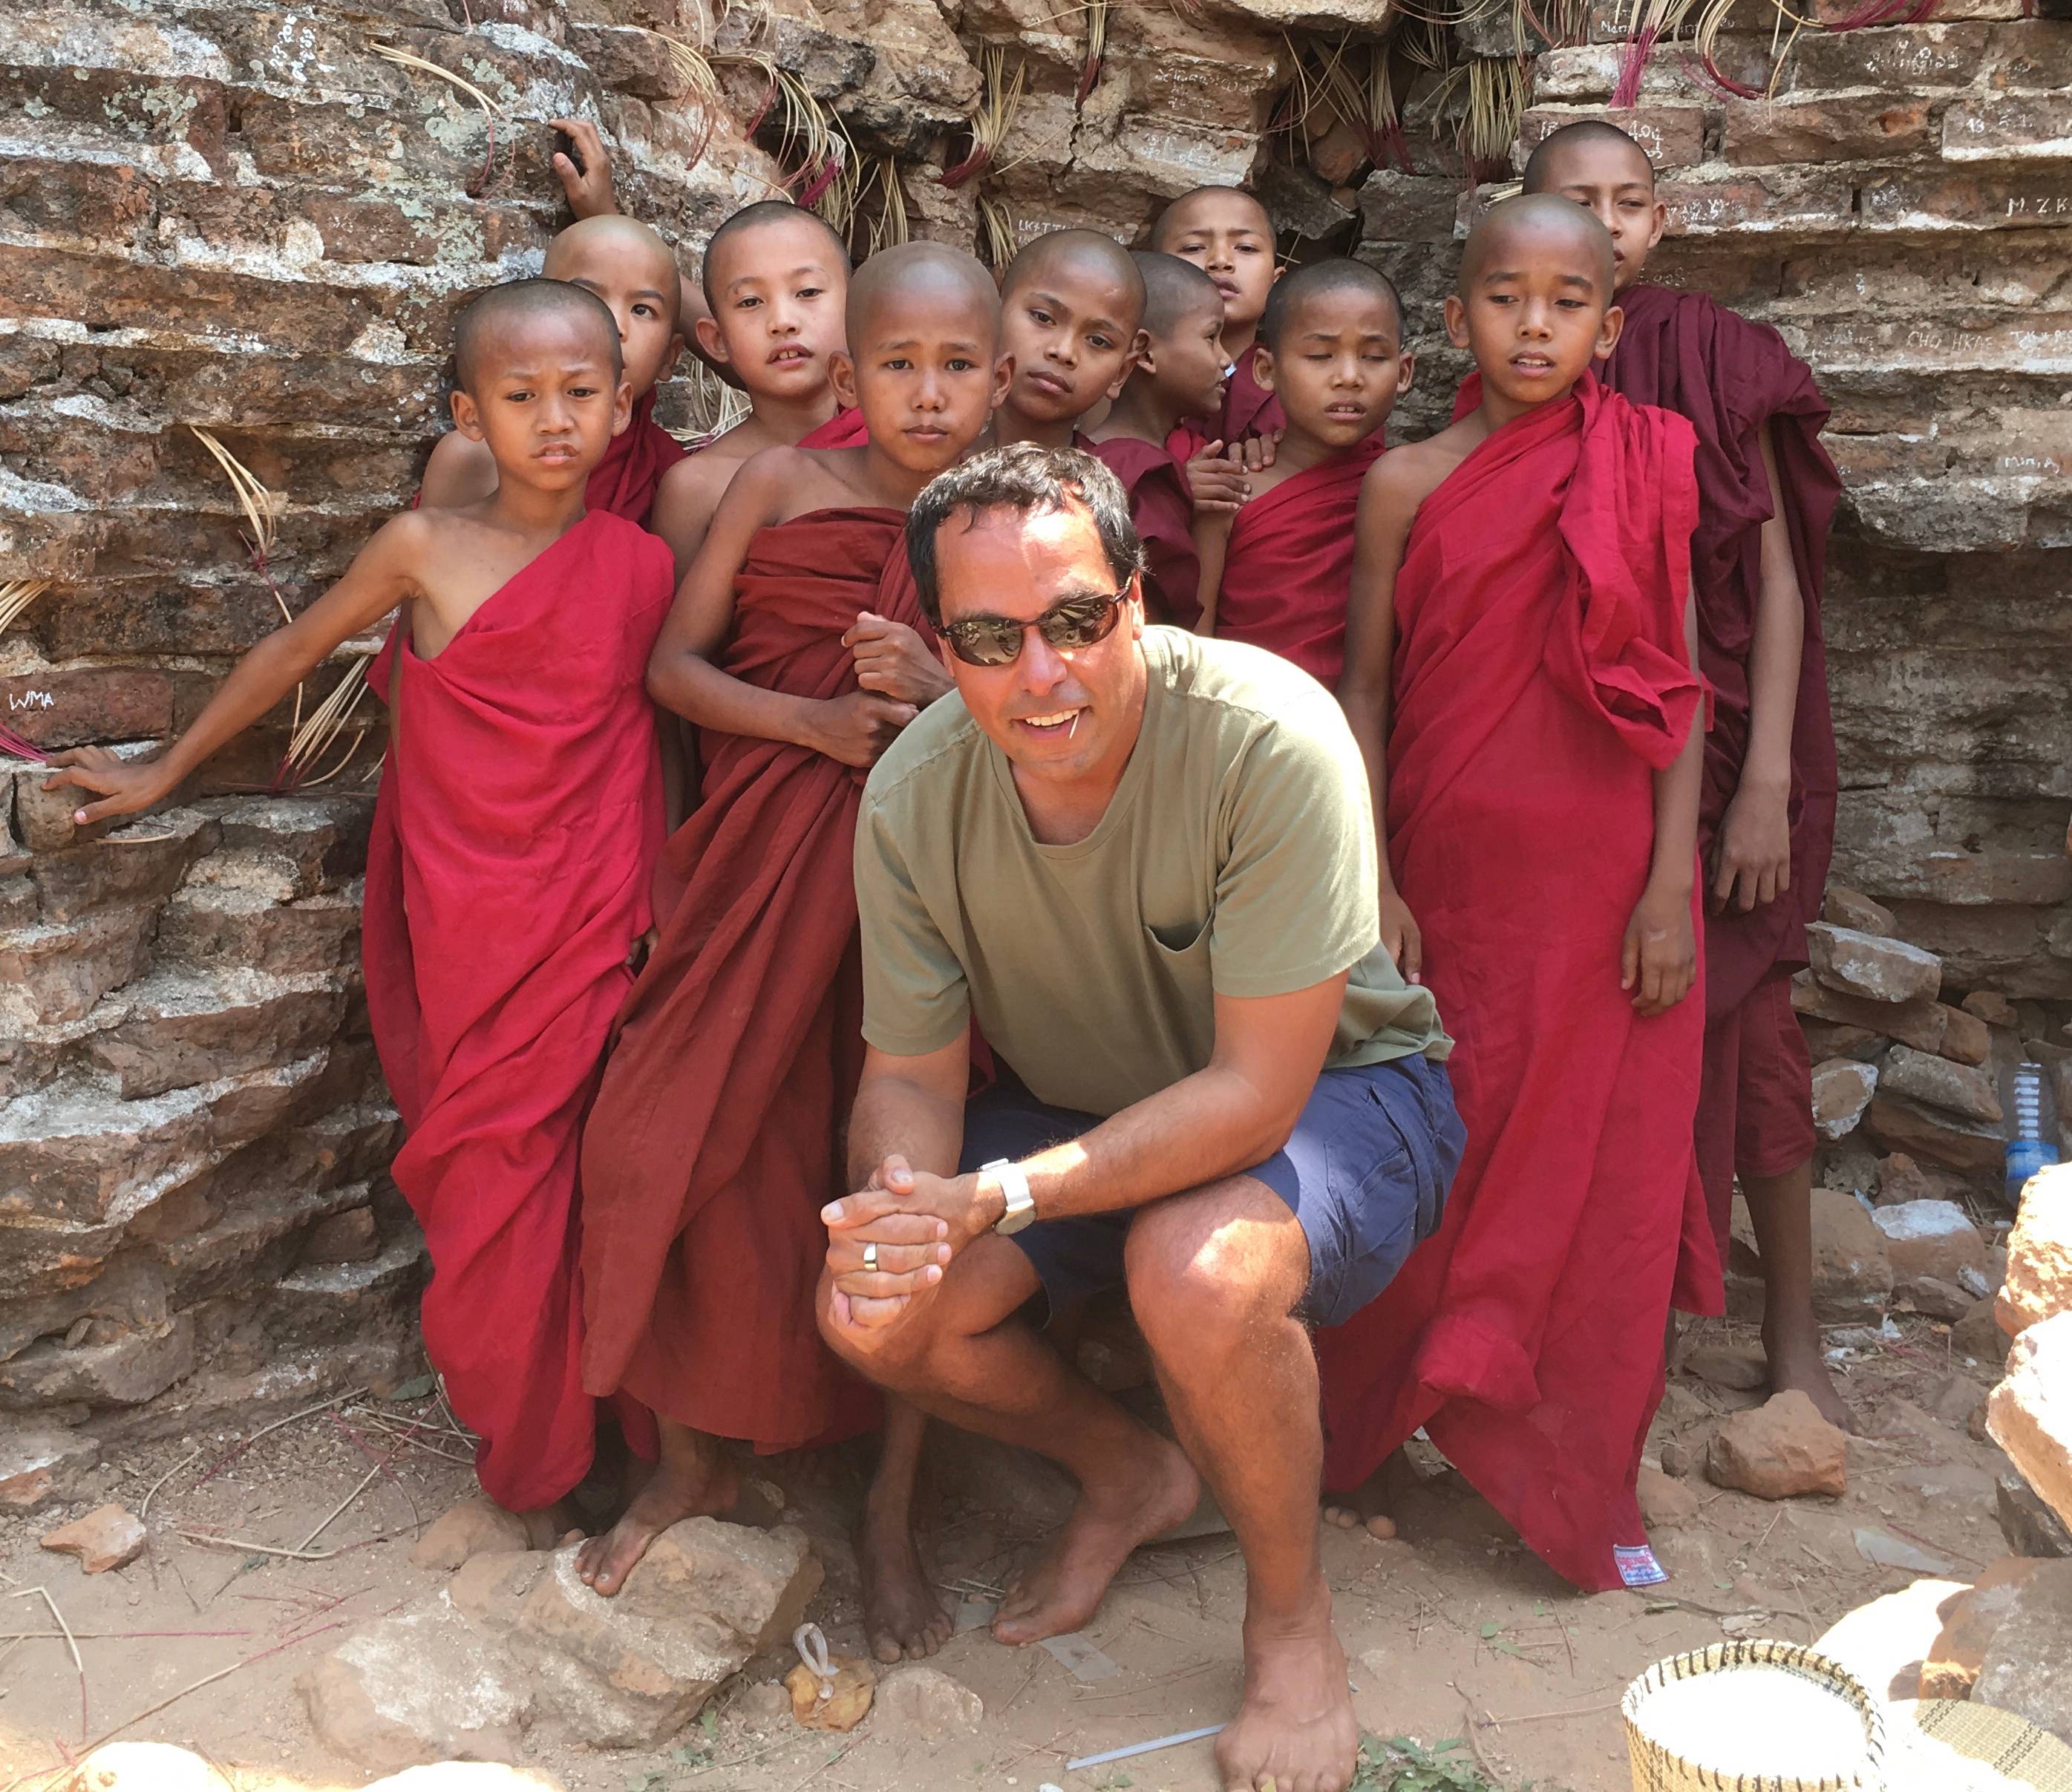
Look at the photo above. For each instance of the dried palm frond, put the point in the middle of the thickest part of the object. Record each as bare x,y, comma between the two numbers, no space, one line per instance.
890,226
999,232
312,739
702,78
1363,89
261,508
1090,67
811,139
1478,104
999,100
491,110
16,595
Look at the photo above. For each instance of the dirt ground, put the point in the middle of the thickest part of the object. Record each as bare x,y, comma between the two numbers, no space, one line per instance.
1454,1631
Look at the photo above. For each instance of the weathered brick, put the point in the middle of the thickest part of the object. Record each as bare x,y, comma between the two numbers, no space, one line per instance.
1840,128
1901,58
1775,200
2039,199
99,202
1673,136
1411,207
72,709
181,1027
51,972
139,863
2009,127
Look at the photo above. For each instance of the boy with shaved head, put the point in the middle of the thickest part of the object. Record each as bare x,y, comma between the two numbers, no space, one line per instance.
1331,350
1177,380
1071,313
1227,232
522,813
1520,675
1766,497
799,648
775,281
631,270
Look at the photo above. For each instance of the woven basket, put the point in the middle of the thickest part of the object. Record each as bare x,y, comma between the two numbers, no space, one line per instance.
1657,1768
2009,1752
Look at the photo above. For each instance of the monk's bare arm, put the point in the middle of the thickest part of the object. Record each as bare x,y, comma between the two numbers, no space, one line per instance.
461,471
690,492
1753,851
1212,534
1227,1117
1659,960
681,675
382,575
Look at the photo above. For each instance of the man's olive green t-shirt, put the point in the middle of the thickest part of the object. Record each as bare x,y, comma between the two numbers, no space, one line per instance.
1236,858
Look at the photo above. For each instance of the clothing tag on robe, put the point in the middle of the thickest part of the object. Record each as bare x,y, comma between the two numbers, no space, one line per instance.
1637,1565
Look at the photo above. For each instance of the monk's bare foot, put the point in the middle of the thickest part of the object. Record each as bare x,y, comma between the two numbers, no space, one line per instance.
1796,1362
902,1618
1150,1492
1295,1730
692,1479
1368,1506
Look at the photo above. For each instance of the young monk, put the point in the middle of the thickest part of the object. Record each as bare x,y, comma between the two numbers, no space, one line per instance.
1071,310
1176,380
631,270
1275,574
1226,232
1520,676
1766,497
526,811
776,282
717,1136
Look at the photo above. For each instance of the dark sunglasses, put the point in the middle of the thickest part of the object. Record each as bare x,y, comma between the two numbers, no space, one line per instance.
1075,622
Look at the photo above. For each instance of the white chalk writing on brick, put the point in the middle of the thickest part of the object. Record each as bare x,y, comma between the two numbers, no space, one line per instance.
31,699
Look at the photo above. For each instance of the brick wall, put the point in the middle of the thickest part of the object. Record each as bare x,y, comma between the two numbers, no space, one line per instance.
240,217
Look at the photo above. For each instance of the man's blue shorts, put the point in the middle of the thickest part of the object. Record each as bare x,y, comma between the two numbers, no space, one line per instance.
1366,1171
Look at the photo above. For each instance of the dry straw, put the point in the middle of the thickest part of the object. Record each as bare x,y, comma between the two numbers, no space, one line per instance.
1000,99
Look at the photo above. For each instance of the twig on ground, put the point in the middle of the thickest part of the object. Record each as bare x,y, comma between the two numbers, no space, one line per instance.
144,1511
1540,1716
43,1594
238,1546
1475,1742
113,1636
384,1466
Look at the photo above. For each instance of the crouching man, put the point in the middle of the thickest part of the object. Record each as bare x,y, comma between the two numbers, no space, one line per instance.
1142,863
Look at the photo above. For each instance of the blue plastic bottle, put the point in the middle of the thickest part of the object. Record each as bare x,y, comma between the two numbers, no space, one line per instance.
2032,1127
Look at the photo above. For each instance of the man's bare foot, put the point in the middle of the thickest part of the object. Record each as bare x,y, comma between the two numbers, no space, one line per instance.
1795,1362
902,1618
692,1479
1368,1505
1295,1729
1151,1492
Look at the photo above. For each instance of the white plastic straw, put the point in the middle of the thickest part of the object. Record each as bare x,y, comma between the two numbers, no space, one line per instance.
1141,1748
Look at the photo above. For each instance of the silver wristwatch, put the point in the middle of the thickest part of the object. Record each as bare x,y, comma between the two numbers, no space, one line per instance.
1014,1185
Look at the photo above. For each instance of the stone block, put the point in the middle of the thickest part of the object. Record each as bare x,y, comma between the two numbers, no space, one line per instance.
1977,1337
1900,1178
1850,908
56,709
1921,1023
919,1704
1783,201
1970,1620
50,972
1673,136
108,1537
1852,1278
2030,1527
2030,1416
1966,1038
1938,1257
1897,1125
631,1670
2008,127
321,1304
41,1464
126,1371
133,863
421,1686
1824,1039
1842,1089
1423,208
2038,1284
1989,1006
186,1026
2026,1665
1880,970
1829,128
1928,203
349,1237
1779,1449
1936,1081
476,1526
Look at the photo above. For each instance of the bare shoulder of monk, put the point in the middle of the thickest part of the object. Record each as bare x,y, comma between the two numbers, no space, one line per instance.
827,479
1404,478
457,561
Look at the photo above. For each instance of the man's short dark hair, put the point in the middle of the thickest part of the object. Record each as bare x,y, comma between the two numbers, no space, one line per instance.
1031,480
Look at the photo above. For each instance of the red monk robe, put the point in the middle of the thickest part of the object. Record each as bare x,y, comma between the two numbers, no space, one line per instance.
1288,569
1540,682
717,1136
507,881
1165,519
1730,378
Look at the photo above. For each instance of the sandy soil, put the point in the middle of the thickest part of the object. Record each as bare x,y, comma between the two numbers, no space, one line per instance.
1454,1631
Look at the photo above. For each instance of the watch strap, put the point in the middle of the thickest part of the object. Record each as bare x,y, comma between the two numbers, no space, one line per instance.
1014,1188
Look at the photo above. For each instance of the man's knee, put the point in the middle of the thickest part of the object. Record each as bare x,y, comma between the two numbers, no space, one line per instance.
1207,1270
